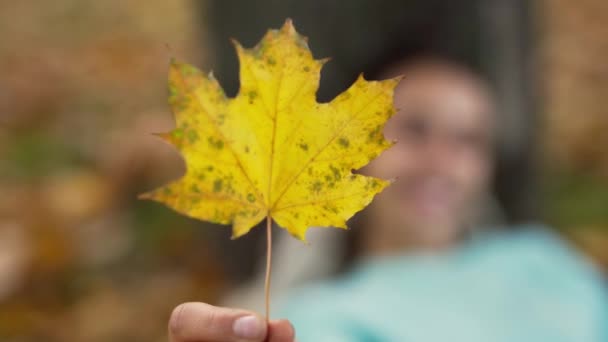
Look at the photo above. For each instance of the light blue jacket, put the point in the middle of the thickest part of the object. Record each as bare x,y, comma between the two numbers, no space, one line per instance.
526,286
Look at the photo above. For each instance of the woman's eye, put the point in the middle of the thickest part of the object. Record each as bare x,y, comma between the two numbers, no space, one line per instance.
415,127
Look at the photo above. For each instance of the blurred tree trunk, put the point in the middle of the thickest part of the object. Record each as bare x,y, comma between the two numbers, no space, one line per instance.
509,57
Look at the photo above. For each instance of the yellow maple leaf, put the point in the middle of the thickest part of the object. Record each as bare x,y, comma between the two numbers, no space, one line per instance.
273,151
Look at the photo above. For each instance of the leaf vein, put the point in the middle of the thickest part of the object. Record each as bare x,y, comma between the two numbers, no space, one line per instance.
312,159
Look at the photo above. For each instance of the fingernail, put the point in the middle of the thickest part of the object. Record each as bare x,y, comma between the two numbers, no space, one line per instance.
249,327
293,332
293,329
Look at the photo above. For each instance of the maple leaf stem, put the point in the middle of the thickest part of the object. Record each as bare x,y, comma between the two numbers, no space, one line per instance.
268,265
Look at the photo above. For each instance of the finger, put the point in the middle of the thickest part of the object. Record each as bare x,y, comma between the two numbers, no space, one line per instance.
192,322
281,331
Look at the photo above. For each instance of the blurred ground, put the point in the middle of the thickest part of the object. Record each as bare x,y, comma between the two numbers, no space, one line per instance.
81,88
574,145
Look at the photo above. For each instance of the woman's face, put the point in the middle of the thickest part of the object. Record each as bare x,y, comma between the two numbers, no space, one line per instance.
442,158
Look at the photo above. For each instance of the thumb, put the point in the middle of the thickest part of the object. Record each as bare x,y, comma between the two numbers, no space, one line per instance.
204,322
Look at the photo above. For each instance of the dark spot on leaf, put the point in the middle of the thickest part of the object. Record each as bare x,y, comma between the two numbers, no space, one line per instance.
177,133
173,90
372,184
188,70
336,172
167,192
195,188
271,61
373,133
192,136
316,186
182,106
303,146
210,168
251,198
228,185
246,149
217,144
221,118
343,142
217,185
306,68
252,96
